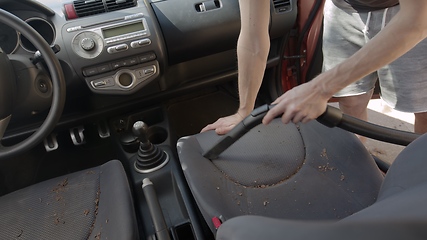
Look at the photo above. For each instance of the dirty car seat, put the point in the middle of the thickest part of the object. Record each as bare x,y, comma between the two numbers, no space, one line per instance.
305,171
399,213
91,204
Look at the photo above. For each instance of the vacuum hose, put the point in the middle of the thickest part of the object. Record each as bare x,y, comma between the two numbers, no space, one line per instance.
333,117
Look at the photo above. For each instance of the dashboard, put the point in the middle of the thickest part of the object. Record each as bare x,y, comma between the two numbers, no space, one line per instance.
116,51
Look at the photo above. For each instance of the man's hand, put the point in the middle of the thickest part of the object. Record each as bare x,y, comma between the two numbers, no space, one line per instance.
224,125
303,103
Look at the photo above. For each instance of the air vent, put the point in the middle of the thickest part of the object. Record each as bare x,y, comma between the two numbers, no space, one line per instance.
92,7
282,5
113,5
87,8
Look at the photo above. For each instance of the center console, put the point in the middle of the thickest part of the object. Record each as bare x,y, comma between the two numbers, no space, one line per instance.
145,141
118,55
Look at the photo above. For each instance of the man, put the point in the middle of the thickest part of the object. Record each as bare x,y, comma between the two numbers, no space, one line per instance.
406,29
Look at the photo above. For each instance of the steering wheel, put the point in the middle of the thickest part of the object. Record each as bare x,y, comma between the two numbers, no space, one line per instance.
7,83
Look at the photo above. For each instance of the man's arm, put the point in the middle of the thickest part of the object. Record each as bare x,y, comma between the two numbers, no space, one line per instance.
308,101
252,51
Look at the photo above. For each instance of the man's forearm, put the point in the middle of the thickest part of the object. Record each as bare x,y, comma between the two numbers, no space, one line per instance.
252,51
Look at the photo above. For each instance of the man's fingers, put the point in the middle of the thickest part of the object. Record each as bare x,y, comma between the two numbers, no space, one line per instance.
204,129
224,130
207,128
221,126
271,114
212,126
299,116
306,119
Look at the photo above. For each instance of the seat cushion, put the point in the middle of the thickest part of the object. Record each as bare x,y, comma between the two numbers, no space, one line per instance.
90,204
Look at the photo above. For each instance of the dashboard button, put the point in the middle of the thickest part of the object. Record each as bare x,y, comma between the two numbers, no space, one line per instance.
145,72
104,68
111,50
102,83
140,43
121,47
147,57
117,48
151,56
118,64
140,73
149,71
90,71
131,61
143,58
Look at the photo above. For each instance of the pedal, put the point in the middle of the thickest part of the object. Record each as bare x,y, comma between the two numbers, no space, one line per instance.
51,143
103,129
77,135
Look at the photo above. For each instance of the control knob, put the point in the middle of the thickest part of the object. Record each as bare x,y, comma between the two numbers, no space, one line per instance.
87,44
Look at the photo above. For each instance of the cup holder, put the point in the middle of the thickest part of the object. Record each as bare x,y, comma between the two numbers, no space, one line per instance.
157,135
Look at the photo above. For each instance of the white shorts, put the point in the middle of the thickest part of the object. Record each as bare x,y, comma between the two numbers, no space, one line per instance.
403,83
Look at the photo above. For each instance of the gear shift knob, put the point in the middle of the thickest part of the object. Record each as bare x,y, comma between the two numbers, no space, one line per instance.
139,129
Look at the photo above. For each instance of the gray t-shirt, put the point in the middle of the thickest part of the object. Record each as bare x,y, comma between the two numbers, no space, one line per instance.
365,5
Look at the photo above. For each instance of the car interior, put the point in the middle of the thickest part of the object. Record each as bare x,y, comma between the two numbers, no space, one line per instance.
101,107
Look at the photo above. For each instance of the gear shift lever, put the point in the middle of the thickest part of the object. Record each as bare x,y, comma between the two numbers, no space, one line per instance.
149,158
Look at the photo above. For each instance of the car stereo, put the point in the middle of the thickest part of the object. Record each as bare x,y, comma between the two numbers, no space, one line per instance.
114,56
89,42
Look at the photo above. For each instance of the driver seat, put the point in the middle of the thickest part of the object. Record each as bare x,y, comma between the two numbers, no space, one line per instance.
91,204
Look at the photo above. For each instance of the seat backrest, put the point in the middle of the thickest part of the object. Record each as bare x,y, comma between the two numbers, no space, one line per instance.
408,170
400,211
403,194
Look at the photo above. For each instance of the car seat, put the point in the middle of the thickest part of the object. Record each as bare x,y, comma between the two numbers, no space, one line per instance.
91,204
294,171
400,212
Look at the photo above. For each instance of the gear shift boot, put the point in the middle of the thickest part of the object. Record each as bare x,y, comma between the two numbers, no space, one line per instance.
149,157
